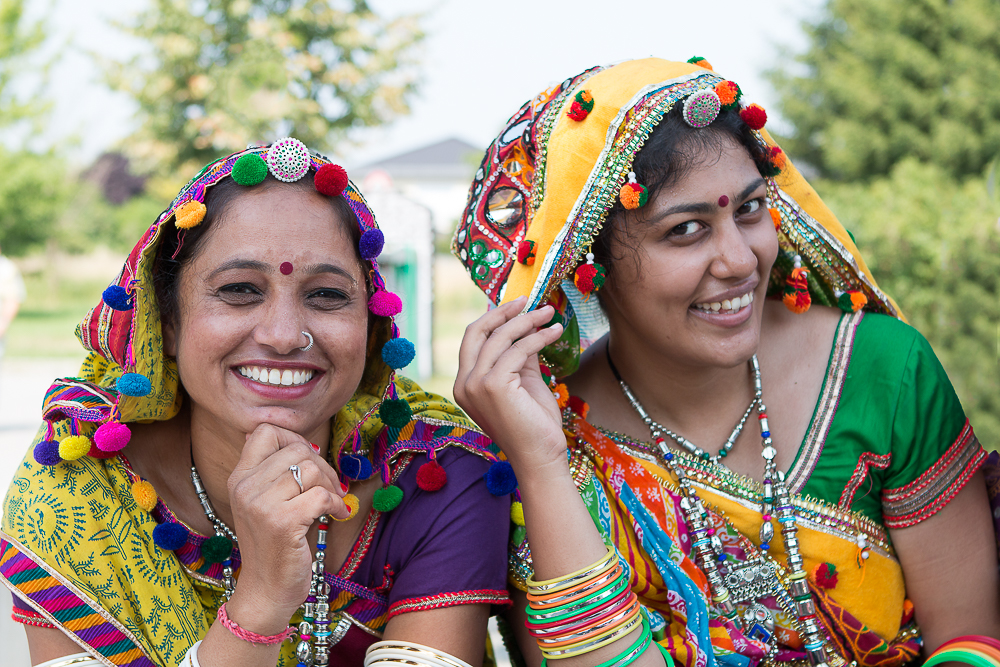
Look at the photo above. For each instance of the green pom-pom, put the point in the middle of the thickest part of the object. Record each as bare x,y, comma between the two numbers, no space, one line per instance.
216,549
395,413
844,301
387,499
249,170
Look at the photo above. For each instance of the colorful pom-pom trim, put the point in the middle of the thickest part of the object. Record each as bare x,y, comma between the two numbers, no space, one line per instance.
701,107
117,298
371,244
395,412
796,297
189,214
330,180
397,353
729,94
144,495
578,406
387,499
500,479
775,218
700,62
170,536
288,159
517,513
73,447
633,195
47,453
825,575
216,549
754,116
589,277
134,384
353,504
852,301
249,170
562,395
112,436
526,252
431,476
355,466
583,104
385,304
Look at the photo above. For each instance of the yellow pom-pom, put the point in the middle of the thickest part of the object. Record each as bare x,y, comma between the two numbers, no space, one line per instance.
190,214
144,495
517,513
352,503
74,446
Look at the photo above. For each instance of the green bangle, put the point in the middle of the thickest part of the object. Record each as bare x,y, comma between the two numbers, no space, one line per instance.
644,638
666,656
959,655
567,611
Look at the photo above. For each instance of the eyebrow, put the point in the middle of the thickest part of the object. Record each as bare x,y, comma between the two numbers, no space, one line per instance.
254,265
707,207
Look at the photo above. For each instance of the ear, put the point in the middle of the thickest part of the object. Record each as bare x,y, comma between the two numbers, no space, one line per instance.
169,339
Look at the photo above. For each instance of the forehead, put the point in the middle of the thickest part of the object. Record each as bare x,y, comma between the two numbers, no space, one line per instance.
712,168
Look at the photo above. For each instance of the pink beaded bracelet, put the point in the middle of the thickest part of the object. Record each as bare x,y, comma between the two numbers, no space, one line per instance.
248,636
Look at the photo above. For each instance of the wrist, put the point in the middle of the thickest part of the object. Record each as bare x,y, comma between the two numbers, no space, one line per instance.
542,475
256,615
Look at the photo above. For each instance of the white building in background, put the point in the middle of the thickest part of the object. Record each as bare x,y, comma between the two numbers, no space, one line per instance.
437,176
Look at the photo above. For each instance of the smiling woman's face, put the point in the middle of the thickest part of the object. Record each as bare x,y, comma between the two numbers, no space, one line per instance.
701,243
278,262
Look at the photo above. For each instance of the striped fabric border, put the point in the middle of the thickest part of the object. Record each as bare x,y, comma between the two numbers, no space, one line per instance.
58,602
486,596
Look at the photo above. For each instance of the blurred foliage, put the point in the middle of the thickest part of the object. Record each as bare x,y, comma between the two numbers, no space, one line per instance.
884,80
18,42
33,194
933,244
224,73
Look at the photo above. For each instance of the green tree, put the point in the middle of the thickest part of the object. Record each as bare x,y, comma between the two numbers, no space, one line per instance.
883,80
223,73
934,245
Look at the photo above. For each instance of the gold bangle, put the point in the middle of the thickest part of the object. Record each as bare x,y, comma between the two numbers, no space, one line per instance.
587,648
568,580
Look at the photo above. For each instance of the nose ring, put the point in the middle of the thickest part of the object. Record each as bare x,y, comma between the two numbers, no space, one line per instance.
308,347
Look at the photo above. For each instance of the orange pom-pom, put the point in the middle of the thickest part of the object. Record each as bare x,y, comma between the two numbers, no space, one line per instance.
633,196
777,158
796,301
728,92
858,301
144,495
700,62
775,218
586,96
189,214
754,116
562,395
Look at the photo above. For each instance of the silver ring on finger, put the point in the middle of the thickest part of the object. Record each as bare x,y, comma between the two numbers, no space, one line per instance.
297,476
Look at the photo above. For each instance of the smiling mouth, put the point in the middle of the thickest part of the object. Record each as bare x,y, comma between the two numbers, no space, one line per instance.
727,306
274,376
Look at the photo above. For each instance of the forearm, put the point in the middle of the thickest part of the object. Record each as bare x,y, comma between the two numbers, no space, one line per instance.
563,540
222,648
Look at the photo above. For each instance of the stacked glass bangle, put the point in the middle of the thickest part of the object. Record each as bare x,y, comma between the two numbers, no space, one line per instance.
397,652
586,610
975,650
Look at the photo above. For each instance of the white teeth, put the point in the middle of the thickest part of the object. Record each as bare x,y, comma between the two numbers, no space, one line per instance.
286,378
727,305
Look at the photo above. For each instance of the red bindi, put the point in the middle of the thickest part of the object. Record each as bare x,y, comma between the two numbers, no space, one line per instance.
723,201
285,268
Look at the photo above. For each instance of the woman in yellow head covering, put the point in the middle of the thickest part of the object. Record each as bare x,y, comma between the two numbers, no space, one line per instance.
733,450
239,477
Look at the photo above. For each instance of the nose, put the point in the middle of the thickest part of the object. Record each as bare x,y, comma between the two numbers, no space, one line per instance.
280,327
734,255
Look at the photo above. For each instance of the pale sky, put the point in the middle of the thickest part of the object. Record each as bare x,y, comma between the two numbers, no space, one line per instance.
481,60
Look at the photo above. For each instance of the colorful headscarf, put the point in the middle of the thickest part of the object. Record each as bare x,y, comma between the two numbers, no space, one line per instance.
547,183
127,377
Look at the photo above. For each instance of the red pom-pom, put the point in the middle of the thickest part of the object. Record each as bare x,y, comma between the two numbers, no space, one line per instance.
578,406
96,453
526,252
431,476
330,180
825,575
589,278
754,116
577,111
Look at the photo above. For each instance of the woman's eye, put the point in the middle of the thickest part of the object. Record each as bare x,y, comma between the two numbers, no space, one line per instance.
240,293
751,206
327,296
685,228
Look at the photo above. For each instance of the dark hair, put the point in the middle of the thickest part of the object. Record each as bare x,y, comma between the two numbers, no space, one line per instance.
170,262
670,153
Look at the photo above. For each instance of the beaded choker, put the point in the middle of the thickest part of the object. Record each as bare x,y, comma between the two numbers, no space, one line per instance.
756,578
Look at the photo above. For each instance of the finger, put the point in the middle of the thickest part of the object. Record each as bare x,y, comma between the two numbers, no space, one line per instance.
477,333
314,470
265,440
316,502
506,335
517,356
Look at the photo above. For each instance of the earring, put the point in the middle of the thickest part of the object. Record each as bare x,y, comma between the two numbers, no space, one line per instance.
308,347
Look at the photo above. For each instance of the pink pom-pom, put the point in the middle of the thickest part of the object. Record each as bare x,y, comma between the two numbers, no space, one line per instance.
112,436
330,180
385,304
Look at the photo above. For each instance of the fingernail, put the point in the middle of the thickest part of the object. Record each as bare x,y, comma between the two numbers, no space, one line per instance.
344,487
315,447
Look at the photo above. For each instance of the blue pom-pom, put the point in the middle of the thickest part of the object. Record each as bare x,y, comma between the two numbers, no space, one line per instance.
500,479
170,536
47,453
371,243
134,384
355,466
398,353
117,297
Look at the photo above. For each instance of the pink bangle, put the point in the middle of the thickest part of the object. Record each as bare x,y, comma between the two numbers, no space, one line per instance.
248,636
